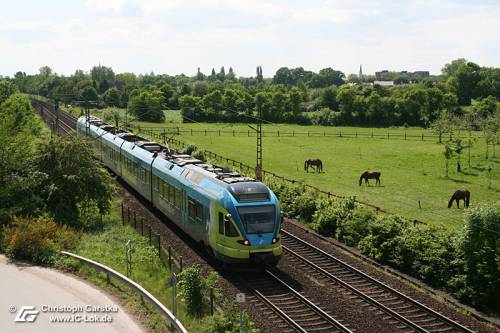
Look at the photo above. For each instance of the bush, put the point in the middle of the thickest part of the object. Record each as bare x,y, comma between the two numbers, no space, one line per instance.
426,253
228,321
330,212
479,249
380,243
200,154
36,240
189,149
195,288
351,231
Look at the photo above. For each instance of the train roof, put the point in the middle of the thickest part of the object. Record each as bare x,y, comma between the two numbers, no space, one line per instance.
183,160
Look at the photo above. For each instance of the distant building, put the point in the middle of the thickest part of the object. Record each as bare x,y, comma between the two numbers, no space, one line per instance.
384,83
360,77
385,75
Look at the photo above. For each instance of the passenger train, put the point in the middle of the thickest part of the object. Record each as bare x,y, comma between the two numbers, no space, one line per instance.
237,218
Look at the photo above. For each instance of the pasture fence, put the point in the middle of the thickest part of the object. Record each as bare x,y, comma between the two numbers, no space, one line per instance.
405,136
167,256
248,170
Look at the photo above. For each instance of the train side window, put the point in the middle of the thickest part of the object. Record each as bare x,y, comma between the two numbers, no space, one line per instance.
177,198
199,211
191,208
230,229
171,194
155,182
221,223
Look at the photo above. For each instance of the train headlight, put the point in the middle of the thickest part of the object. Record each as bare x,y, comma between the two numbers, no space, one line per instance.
244,242
275,240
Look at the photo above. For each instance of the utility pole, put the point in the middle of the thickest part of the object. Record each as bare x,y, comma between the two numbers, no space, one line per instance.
87,118
258,167
56,111
258,132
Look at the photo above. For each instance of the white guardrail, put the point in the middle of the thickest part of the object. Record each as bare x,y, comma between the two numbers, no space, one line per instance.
110,272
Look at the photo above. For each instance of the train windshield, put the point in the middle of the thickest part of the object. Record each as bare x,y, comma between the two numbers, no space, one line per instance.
257,219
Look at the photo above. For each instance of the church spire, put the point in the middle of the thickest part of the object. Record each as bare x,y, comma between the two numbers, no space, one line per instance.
360,76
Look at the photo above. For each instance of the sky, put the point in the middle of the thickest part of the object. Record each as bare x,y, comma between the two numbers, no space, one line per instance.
178,36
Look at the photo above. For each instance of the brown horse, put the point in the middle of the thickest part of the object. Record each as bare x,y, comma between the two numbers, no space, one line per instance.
462,194
313,163
370,175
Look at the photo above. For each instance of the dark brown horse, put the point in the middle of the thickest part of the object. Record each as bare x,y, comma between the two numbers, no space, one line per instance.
462,194
313,163
370,175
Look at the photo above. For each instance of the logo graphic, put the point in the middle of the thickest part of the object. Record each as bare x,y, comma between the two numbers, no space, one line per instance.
28,313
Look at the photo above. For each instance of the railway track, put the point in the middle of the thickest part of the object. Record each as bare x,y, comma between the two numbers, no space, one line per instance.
59,121
408,314
297,313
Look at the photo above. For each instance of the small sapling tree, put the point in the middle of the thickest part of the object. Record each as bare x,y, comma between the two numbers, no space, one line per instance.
448,154
457,148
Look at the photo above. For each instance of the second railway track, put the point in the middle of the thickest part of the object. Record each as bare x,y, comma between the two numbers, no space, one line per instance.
297,312
411,315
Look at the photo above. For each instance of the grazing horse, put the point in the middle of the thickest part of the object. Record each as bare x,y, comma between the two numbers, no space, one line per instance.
370,175
313,163
462,194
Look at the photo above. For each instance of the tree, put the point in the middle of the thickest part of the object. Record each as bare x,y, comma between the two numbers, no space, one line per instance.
19,179
191,108
283,76
222,74
112,97
329,98
72,181
457,149
490,127
263,105
296,101
147,106
89,94
464,82
199,75
230,75
448,154
200,88
45,71
486,107
327,77
451,68
213,76
6,90
104,76
260,78
445,123
480,252
212,103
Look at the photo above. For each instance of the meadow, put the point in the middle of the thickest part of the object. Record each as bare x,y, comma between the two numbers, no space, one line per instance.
412,170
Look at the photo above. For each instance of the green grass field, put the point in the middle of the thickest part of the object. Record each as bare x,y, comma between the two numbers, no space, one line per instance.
412,170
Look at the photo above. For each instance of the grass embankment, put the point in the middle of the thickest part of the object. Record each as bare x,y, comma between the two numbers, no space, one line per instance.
108,248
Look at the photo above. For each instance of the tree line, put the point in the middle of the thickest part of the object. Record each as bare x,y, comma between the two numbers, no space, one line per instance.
292,95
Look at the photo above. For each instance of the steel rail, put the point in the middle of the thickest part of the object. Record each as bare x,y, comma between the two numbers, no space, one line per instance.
313,307
372,280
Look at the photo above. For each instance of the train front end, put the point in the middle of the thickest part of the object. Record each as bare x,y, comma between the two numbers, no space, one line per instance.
252,222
